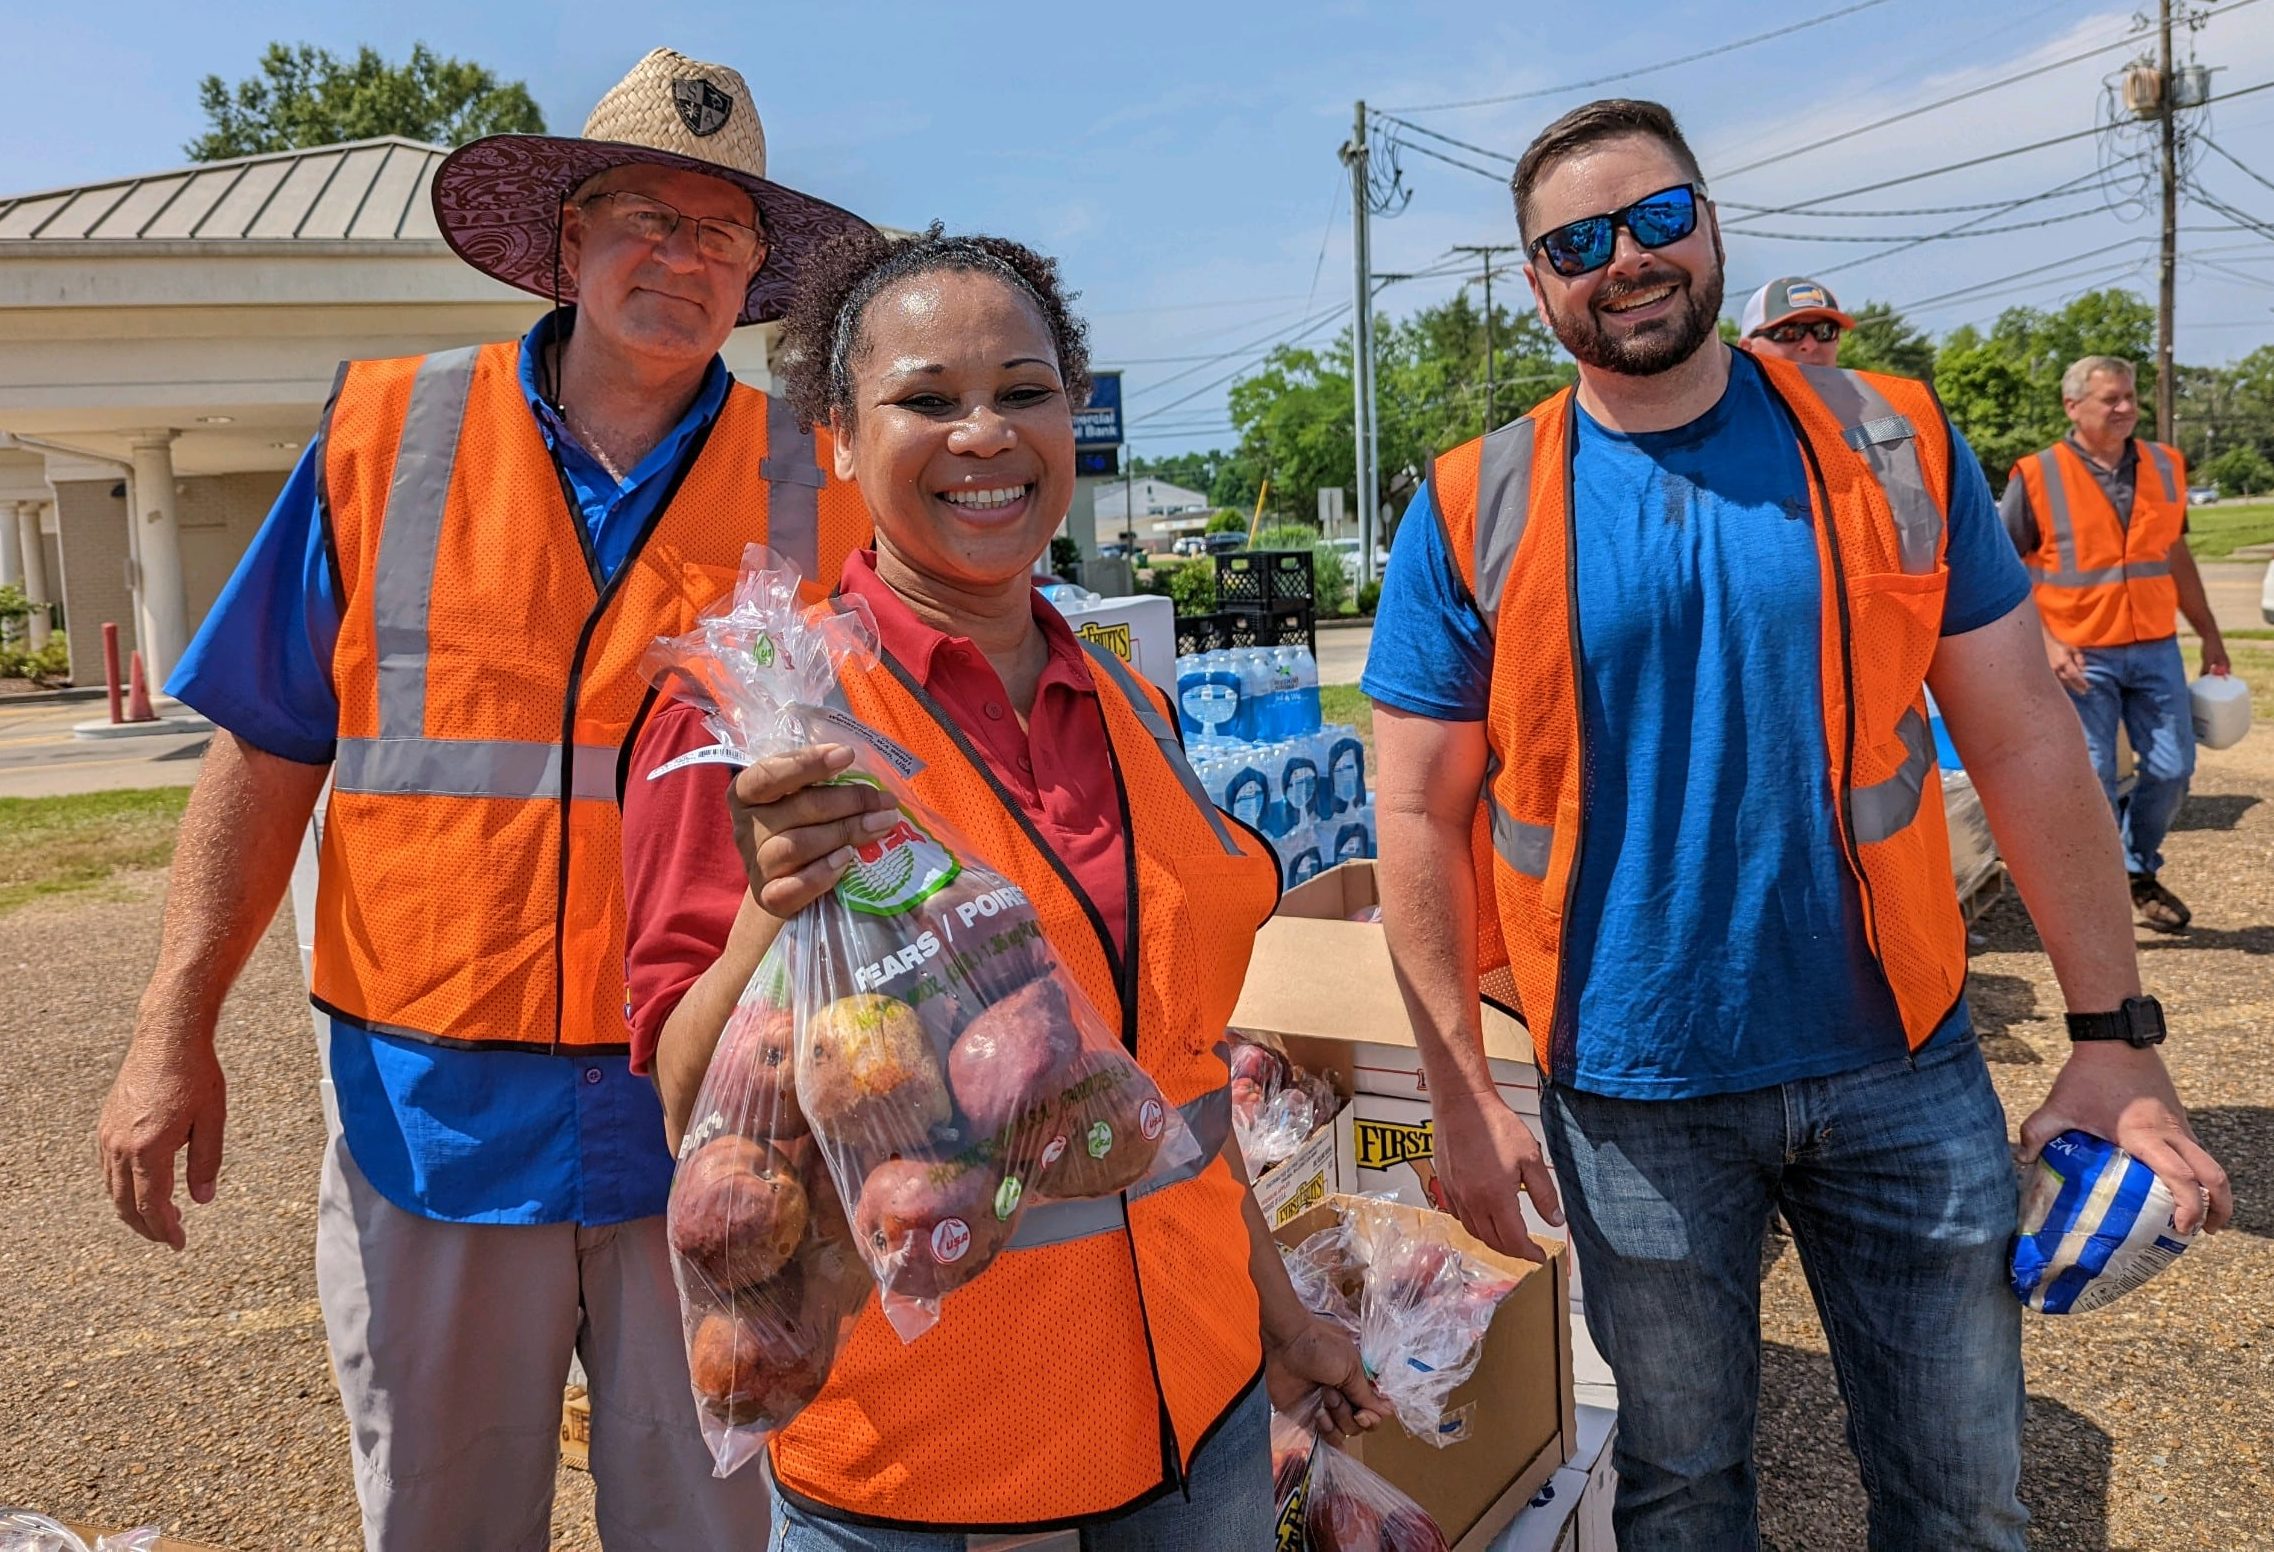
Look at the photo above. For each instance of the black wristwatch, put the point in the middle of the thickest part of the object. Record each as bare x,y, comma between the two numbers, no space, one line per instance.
2139,1022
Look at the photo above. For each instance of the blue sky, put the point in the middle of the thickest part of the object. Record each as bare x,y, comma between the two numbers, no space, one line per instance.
1179,158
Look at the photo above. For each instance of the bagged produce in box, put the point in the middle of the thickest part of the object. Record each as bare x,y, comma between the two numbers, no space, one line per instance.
1328,1501
1418,1307
23,1531
910,1048
1271,1113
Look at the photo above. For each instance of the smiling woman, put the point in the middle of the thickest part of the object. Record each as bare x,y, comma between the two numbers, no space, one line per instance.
1112,1377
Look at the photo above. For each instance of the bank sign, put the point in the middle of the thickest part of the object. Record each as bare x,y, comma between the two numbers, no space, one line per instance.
1098,423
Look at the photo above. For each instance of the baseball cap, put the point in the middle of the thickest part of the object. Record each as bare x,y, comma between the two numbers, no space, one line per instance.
1791,297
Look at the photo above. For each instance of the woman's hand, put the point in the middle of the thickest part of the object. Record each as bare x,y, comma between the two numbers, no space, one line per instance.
1318,1355
796,834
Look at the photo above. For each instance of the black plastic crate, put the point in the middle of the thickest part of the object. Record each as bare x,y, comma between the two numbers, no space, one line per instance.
1197,633
1281,627
1263,578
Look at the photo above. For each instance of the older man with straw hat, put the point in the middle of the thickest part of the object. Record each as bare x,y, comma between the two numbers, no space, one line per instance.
444,616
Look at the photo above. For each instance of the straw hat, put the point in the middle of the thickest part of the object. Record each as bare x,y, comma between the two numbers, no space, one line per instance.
498,199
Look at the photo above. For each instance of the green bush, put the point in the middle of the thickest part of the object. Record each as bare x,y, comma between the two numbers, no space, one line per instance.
1192,585
1065,555
50,665
1227,521
2240,471
1370,597
1330,584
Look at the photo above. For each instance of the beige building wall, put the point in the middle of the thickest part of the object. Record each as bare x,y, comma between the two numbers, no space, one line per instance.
91,524
219,516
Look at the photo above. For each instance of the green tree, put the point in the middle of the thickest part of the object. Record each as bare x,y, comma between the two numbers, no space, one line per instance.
1194,471
1225,520
2003,388
307,96
2240,471
1882,342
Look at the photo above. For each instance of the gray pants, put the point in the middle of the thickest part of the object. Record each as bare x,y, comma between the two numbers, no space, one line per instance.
451,1342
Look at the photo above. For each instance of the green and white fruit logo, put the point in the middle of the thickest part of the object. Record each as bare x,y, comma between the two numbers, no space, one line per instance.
898,870
1007,1197
763,651
1100,1140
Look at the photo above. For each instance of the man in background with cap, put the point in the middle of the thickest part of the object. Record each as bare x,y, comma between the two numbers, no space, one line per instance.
1794,320
444,616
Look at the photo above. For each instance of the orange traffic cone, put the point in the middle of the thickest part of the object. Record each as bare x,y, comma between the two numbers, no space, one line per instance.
137,693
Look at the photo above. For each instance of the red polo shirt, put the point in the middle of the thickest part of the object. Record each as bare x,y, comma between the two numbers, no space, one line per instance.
683,882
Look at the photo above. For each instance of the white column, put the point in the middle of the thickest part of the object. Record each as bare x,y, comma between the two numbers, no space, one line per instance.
163,608
34,558
11,554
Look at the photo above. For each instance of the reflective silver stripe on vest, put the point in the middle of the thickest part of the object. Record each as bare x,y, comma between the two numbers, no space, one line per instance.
1150,719
2064,531
410,535
1054,1223
1504,504
1522,846
1889,444
2160,456
472,768
2102,576
793,492
1884,808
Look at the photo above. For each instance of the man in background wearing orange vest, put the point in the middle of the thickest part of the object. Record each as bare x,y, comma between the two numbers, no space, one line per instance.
2100,519
444,614
1650,667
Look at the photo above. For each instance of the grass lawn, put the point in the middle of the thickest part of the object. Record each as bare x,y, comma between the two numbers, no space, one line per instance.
2215,532
2254,664
1347,704
54,846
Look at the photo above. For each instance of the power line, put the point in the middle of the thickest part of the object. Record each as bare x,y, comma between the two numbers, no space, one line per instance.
2247,172
1931,172
1664,64
2126,41
1464,145
1913,239
1450,161
2063,263
1969,228
1219,382
1318,269
1260,342
1916,210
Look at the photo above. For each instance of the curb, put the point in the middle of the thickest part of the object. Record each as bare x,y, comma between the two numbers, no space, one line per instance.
159,727
60,697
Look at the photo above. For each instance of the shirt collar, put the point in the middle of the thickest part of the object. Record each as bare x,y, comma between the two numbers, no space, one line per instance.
917,646
556,325
2124,460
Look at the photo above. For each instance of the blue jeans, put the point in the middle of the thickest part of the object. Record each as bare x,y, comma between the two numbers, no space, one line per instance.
1229,1505
1899,1189
2143,688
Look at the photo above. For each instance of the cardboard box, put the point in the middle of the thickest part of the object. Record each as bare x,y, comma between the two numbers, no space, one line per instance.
1522,1422
1323,1166
89,1535
576,1429
1317,975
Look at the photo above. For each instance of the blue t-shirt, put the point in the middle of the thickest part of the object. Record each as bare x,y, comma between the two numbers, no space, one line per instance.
1716,938
462,1136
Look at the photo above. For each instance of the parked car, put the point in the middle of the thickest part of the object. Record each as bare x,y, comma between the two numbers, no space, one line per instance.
1347,549
1190,544
1116,551
1225,543
2202,495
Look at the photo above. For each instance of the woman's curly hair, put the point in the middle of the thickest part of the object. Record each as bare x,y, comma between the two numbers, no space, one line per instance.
824,331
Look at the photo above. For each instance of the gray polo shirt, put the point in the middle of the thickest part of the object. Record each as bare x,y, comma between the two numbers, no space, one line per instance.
2119,484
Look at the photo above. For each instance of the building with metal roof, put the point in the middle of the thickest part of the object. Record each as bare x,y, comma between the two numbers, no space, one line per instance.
166,345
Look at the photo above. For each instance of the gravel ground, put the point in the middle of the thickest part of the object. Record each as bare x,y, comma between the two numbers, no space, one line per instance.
193,1390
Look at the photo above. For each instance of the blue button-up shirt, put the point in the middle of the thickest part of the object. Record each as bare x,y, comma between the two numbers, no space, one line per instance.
461,1136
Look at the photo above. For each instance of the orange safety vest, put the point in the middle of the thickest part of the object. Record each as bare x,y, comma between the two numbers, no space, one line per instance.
471,886
1078,1375
2103,577
1878,457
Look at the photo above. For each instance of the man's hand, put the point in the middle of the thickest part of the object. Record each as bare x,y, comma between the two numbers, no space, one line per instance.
2068,665
1488,1161
162,1101
1320,1356
2215,655
2124,1095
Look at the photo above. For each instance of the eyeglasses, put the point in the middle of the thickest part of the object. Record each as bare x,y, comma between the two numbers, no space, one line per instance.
1825,331
652,221
1583,246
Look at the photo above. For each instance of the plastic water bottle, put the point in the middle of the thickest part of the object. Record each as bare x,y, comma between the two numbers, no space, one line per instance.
1247,793
1345,771
1214,698
1307,714
1284,714
1299,780
1255,694
1301,855
1354,835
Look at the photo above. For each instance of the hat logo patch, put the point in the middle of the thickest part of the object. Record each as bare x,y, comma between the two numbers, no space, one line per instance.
702,107
1798,296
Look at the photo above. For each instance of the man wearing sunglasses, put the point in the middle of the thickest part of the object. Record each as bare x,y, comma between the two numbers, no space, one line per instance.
1795,320
1650,667
444,616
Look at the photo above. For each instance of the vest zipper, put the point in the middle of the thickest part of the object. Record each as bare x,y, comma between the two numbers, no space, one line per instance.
1563,1031
604,595
1124,966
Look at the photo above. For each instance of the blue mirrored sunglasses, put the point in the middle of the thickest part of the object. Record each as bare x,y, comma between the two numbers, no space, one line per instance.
1579,247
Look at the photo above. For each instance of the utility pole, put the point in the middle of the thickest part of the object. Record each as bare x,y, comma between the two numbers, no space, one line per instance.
2167,396
1485,251
1354,156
